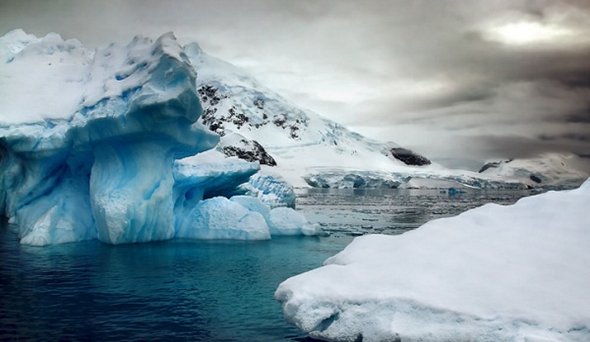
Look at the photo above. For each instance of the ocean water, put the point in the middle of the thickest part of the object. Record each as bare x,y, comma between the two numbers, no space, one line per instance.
196,290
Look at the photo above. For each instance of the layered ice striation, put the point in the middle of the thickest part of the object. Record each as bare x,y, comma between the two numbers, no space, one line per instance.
494,273
92,142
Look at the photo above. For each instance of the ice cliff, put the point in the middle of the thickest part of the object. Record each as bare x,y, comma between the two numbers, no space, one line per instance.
92,143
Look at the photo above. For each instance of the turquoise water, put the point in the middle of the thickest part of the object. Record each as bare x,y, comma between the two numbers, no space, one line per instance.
194,290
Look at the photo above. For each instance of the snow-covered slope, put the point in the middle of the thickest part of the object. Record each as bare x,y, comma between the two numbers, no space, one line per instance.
300,141
309,150
494,273
550,169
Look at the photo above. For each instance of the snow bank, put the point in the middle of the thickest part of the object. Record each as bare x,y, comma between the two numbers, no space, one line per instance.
494,273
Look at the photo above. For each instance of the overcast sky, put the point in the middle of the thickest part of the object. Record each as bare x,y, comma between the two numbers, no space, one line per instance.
463,80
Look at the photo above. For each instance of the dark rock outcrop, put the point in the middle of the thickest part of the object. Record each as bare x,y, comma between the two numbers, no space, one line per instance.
250,151
408,157
491,165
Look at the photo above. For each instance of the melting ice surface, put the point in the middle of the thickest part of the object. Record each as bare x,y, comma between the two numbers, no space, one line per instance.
196,290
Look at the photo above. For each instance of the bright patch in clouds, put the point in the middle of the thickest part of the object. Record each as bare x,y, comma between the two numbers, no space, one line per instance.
526,32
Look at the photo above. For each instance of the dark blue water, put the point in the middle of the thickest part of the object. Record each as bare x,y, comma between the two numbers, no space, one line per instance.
194,290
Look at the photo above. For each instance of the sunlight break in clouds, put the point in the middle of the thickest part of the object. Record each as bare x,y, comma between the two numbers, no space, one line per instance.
527,32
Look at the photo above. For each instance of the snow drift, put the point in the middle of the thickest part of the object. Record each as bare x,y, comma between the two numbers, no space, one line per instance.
494,273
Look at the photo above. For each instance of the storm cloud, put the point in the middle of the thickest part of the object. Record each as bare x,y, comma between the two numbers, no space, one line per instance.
459,81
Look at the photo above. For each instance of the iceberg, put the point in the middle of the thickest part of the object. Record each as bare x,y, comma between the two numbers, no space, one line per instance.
107,144
242,218
286,221
271,189
210,174
494,273
221,218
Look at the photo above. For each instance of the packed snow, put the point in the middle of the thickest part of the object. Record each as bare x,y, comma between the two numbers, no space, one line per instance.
106,144
494,273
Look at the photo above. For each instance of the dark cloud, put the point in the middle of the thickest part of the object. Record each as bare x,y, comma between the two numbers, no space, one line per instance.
582,117
583,137
416,72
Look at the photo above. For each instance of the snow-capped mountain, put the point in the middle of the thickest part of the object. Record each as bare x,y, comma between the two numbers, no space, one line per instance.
254,120
255,123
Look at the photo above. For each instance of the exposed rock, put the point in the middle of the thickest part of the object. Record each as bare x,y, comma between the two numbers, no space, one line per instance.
279,120
250,150
493,165
259,103
294,132
207,93
408,157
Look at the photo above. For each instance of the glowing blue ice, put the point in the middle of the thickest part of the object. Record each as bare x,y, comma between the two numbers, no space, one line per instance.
111,148
106,169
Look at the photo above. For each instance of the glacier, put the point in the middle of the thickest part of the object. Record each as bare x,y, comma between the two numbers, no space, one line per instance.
106,144
493,273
